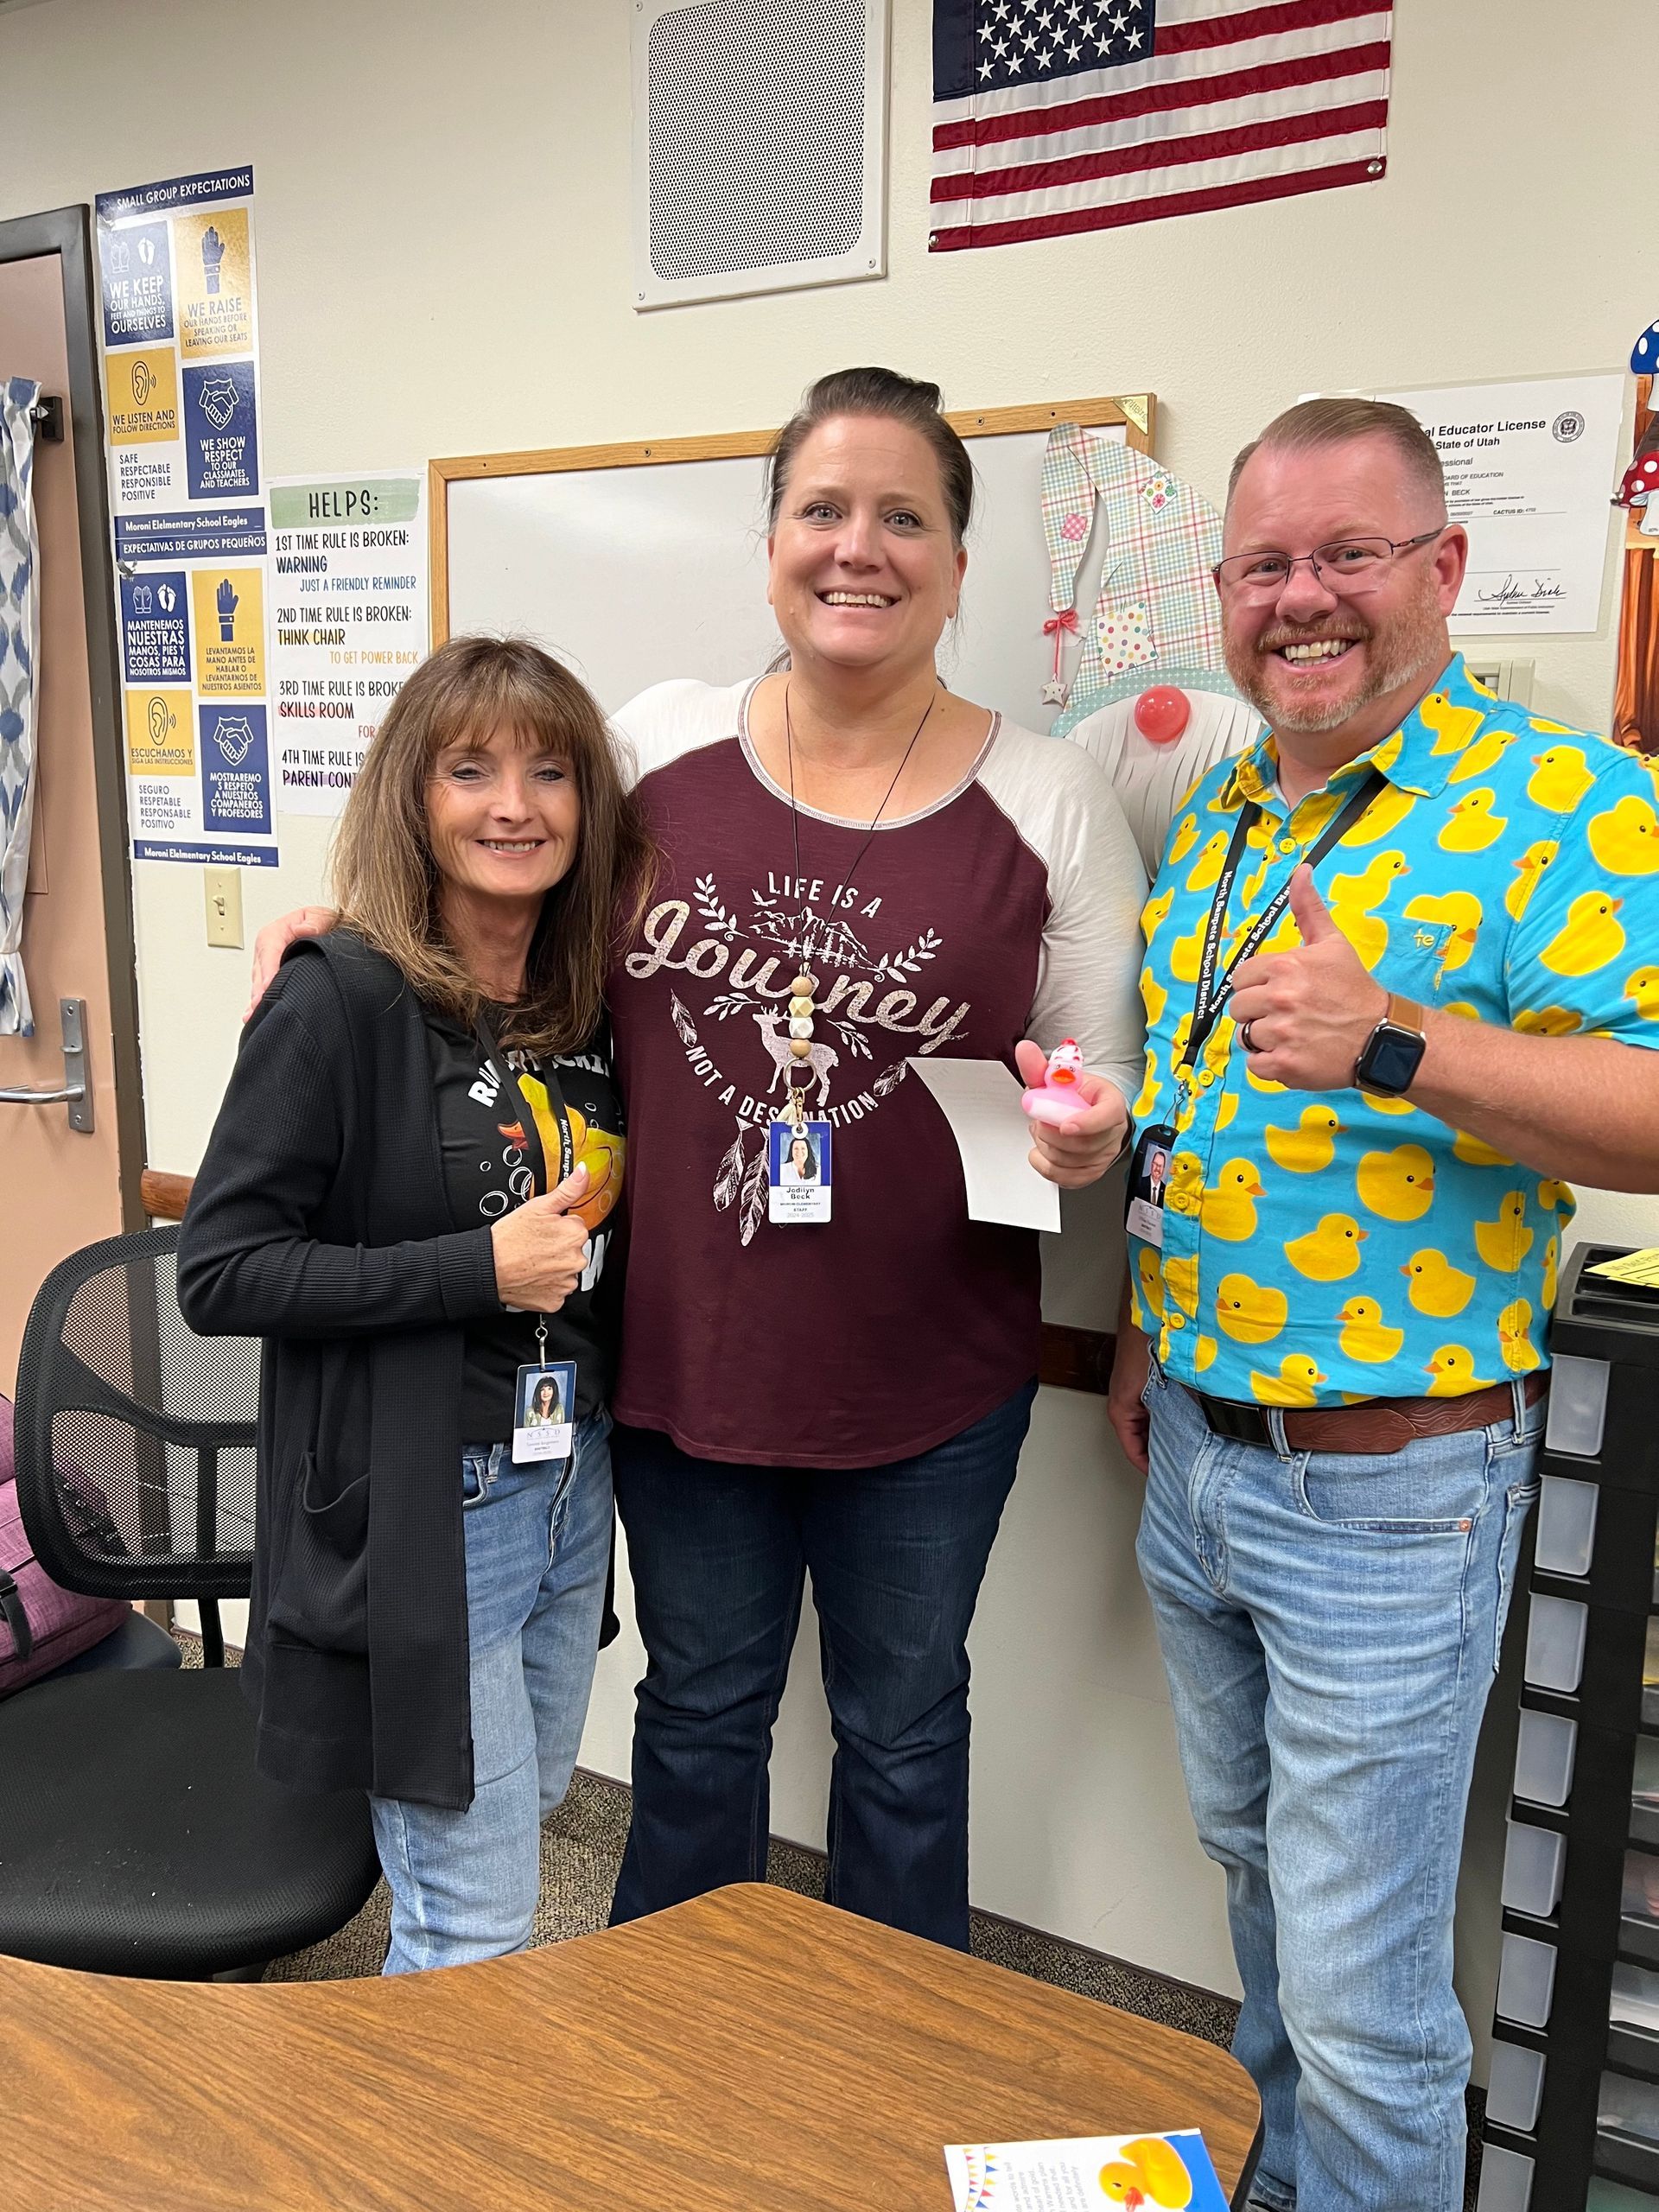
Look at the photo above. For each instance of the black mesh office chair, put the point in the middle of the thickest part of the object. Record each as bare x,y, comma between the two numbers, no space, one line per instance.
135,1836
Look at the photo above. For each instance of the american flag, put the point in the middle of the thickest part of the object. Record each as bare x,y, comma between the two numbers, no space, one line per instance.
1056,115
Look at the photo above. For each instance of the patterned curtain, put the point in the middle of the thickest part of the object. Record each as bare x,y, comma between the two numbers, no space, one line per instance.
20,638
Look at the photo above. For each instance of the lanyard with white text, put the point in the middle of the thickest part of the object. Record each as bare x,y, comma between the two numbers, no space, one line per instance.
544,1396
1212,994
542,1179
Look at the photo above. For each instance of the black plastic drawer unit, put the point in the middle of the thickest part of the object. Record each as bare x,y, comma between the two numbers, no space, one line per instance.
1572,2105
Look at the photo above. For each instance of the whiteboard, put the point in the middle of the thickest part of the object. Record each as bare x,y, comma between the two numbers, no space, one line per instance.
636,574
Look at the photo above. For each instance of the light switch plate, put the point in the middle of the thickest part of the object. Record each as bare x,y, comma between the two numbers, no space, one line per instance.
1510,679
222,888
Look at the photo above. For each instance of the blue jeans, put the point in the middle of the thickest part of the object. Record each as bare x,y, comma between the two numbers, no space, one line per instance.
1329,1624
897,1553
464,1885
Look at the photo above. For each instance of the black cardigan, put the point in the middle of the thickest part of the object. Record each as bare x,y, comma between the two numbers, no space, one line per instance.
319,1222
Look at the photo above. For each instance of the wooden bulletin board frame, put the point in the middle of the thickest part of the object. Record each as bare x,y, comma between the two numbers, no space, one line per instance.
1136,412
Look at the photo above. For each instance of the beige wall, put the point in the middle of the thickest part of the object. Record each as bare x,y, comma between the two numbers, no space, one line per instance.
444,262
444,268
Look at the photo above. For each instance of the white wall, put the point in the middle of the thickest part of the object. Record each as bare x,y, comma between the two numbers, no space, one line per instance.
443,266
444,256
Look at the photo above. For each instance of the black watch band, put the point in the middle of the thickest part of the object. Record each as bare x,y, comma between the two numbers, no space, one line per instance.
1392,1054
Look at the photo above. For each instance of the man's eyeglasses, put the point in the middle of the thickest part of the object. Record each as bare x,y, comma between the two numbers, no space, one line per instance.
1350,566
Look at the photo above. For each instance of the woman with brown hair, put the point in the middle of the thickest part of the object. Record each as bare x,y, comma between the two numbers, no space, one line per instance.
858,865
406,1195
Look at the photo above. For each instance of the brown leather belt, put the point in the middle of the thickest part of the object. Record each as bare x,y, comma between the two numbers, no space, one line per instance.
1378,1425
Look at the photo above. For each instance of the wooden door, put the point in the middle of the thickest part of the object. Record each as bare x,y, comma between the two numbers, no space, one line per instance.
60,1188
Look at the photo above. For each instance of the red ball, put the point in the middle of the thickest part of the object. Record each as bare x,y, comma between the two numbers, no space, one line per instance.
1162,714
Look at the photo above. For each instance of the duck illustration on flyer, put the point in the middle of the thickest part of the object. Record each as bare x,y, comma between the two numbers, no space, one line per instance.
871,1011
1146,2173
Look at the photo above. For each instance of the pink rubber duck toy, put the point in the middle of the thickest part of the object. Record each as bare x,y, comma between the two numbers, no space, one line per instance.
1058,1099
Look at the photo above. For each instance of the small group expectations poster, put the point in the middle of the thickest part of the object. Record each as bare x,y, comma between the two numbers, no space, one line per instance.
181,392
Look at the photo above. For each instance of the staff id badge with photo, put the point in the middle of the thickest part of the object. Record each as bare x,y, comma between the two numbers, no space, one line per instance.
797,1172
544,1411
1148,1180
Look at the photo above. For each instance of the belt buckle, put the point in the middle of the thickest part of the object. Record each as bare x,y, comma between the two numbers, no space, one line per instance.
1236,1422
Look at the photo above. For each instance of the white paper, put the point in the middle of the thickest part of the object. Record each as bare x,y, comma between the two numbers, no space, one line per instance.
1087,2173
1530,469
981,1101
350,622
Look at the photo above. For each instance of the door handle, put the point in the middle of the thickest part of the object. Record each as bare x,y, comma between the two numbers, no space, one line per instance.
76,1094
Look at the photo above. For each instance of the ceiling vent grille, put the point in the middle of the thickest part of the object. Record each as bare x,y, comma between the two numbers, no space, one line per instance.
759,132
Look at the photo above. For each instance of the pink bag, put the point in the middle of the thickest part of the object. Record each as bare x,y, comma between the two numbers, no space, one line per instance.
41,1626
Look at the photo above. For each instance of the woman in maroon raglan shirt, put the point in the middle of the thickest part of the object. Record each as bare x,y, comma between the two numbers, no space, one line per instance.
847,1396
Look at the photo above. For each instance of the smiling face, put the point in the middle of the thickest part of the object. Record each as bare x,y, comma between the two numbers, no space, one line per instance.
502,816
800,1155
865,570
1310,660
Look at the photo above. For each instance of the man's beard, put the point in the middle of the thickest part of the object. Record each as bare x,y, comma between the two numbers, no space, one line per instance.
1411,643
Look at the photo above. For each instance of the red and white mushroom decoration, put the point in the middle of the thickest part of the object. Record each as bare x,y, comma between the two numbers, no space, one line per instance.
1641,479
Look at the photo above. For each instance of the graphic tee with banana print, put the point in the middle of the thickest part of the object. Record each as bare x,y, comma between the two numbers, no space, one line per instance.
1320,1248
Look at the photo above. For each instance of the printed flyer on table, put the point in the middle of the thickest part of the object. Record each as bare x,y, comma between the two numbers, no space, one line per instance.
1086,2173
181,392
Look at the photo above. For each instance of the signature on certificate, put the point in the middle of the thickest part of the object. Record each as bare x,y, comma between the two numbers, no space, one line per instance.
1513,592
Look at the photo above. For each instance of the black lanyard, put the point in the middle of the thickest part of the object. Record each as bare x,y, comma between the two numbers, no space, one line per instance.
1212,994
541,1182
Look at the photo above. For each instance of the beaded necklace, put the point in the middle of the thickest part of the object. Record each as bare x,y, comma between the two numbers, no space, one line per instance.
802,1003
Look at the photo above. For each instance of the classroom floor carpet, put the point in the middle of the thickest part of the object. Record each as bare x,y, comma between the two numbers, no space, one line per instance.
581,1850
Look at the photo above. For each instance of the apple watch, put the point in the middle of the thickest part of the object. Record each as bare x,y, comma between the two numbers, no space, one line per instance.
1394,1050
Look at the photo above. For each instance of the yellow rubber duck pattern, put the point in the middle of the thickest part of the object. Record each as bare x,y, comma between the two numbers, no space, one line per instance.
1321,1250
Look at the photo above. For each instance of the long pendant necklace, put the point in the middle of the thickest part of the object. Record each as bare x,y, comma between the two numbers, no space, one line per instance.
802,1003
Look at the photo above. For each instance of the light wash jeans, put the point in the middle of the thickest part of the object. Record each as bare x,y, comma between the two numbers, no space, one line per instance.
464,1885
1329,1624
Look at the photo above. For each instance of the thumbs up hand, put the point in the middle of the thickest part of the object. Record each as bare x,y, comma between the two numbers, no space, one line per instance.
1304,1016
541,1248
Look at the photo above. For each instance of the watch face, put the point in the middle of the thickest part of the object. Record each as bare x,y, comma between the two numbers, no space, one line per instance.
1391,1059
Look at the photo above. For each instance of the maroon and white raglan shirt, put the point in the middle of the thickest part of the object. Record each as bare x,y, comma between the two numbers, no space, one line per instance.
1008,908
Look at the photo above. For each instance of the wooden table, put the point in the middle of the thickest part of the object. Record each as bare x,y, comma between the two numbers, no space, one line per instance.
749,2052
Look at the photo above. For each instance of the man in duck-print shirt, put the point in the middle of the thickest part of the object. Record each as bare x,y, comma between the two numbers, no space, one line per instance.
1397,953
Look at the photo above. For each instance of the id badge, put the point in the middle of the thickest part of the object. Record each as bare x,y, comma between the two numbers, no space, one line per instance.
544,1411
799,1171
1148,1180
